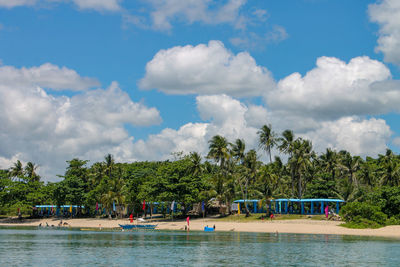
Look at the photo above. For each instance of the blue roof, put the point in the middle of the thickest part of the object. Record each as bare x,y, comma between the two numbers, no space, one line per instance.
55,206
307,200
247,200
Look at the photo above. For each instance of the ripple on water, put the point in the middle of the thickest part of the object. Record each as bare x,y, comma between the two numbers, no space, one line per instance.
61,248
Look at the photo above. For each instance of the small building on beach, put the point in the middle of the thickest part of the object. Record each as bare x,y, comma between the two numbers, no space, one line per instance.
290,205
310,206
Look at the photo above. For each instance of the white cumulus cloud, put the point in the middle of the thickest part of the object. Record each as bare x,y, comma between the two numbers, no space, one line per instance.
358,136
233,119
47,76
226,116
335,88
206,69
387,14
48,130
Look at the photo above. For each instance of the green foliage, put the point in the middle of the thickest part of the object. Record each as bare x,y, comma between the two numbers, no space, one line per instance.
362,223
362,213
319,188
370,187
388,199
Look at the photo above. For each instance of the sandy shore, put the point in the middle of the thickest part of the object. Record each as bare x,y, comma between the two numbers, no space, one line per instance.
302,226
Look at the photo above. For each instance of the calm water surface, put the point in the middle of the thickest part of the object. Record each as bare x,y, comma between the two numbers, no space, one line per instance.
168,248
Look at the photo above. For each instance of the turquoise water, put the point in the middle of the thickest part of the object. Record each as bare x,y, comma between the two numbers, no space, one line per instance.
168,248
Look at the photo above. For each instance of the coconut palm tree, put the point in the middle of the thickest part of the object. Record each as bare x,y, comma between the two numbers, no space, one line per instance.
115,191
247,174
286,142
109,161
350,165
218,150
17,170
390,169
195,160
237,150
300,162
330,162
30,172
267,139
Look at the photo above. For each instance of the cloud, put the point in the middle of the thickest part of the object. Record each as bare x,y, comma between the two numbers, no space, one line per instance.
358,136
48,130
16,3
191,11
231,118
387,13
47,76
334,89
206,69
252,40
227,117
396,142
99,5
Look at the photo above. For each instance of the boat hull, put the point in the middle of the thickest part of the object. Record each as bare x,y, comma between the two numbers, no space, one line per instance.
138,226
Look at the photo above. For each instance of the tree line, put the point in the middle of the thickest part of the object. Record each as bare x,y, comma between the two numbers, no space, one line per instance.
229,171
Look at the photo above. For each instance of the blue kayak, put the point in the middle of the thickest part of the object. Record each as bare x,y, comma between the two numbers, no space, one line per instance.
208,229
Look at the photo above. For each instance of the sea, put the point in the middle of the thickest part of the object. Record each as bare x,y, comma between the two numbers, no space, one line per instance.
42,247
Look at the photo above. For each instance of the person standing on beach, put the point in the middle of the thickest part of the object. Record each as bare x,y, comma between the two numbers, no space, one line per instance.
326,211
187,220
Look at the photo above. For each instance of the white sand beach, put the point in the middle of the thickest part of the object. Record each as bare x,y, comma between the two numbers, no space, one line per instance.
299,226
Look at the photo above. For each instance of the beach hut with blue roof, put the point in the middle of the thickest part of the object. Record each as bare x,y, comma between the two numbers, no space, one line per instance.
311,206
304,206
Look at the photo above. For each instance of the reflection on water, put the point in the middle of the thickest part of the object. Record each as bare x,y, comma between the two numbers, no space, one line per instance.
161,248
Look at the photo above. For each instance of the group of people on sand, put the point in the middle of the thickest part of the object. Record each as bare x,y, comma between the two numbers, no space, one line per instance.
60,224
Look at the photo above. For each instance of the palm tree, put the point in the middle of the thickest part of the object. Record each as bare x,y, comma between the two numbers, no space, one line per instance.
218,150
368,169
96,174
350,165
115,189
267,139
109,161
390,169
238,149
301,161
330,161
17,171
247,174
286,141
195,160
30,172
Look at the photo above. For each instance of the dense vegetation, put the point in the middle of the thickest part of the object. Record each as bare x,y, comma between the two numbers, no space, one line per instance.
370,186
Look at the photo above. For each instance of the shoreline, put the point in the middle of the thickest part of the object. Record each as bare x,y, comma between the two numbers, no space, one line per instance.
294,226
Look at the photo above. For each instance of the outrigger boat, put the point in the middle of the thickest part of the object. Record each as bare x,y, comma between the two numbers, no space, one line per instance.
138,226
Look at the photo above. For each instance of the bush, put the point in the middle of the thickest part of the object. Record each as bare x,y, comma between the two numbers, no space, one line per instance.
358,212
388,199
361,223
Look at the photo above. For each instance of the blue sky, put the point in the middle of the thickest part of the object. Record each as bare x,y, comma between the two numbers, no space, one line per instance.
142,79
